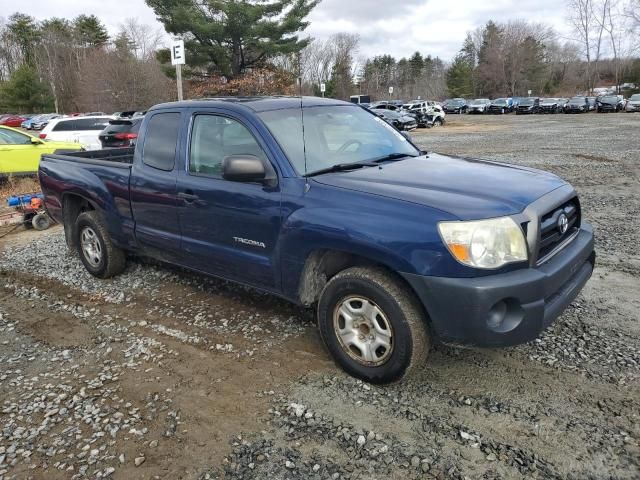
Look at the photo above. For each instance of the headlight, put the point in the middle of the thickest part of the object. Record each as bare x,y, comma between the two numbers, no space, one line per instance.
485,243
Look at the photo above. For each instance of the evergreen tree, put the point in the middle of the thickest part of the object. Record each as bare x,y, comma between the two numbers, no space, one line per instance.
90,31
417,64
459,81
24,92
23,31
231,36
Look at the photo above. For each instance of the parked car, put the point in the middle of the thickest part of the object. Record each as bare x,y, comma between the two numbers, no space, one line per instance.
436,115
129,114
577,104
27,123
501,106
610,103
20,152
401,120
44,120
455,105
360,99
479,105
12,121
82,130
416,106
551,105
515,101
94,114
427,114
120,133
394,248
394,105
633,104
528,105
592,103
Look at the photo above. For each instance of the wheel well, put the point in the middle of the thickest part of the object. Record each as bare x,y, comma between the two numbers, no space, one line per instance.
322,265
72,206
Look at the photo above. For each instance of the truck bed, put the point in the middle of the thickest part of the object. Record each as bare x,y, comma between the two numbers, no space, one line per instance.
119,156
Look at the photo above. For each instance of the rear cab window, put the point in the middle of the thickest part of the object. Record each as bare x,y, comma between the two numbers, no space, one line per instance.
160,141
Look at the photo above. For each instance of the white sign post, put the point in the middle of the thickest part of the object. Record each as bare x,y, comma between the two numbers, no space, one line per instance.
323,88
390,91
178,59
529,92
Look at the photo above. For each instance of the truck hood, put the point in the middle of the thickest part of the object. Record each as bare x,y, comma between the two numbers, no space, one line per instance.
466,188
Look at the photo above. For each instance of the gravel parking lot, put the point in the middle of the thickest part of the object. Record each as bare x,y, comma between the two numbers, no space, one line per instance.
160,373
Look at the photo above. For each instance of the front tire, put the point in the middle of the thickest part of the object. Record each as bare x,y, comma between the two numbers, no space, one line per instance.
373,325
97,252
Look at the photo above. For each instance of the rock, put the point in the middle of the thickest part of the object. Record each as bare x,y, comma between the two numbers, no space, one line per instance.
290,465
361,440
153,443
139,461
121,458
491,457
415,461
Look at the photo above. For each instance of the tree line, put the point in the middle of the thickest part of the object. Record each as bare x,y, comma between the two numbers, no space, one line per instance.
516,57
60,65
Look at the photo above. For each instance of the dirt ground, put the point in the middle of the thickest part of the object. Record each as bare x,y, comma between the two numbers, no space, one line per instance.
161,373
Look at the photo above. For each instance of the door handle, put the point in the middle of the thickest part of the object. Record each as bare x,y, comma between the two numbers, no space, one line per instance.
188,196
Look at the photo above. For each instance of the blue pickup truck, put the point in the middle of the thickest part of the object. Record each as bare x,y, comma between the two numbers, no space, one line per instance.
325,204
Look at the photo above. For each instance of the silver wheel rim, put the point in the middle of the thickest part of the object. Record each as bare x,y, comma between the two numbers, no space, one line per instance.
363,331
91,248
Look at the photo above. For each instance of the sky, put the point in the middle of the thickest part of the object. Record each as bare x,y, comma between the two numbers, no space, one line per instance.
396,27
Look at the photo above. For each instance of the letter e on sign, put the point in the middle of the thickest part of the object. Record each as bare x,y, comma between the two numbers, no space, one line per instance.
177,52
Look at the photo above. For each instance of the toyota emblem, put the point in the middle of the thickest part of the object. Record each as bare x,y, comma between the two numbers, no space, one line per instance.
563,224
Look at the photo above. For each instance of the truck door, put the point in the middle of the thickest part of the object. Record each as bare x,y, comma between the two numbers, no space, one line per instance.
228,228
154,201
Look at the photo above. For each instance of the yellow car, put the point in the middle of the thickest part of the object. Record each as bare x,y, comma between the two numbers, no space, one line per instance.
20,152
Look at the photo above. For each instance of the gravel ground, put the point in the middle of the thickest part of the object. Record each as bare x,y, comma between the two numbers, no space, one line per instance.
160,373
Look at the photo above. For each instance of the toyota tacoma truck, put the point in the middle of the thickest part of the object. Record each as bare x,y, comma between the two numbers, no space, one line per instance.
325,204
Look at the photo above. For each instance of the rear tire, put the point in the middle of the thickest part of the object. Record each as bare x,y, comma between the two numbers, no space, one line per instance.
97,252
373,325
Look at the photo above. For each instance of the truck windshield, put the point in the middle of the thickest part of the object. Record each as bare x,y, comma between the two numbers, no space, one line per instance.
333,135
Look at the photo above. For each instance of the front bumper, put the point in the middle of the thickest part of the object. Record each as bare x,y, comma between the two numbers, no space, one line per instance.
509,308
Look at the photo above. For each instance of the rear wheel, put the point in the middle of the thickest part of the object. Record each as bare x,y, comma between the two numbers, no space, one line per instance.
97,252
372,325
437,122
41,221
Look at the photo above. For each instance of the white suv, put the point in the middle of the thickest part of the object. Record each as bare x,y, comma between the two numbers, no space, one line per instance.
434,112
83,130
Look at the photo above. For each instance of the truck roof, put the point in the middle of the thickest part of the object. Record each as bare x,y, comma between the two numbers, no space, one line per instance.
257,104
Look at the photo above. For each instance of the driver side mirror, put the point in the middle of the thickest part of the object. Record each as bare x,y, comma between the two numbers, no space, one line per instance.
36,141
245,168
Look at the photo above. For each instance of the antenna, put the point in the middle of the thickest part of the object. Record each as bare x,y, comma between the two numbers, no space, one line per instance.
304,143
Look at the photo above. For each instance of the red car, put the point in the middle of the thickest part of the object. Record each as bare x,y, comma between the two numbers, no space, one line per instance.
12,121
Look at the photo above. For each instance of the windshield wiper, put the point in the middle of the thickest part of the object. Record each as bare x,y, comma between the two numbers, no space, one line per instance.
391,156
341,167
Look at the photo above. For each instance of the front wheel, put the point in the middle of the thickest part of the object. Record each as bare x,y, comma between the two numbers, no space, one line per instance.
97,252
372,325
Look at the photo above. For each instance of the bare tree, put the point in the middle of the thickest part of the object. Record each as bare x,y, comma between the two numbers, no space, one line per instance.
632,14
145,39
583,19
